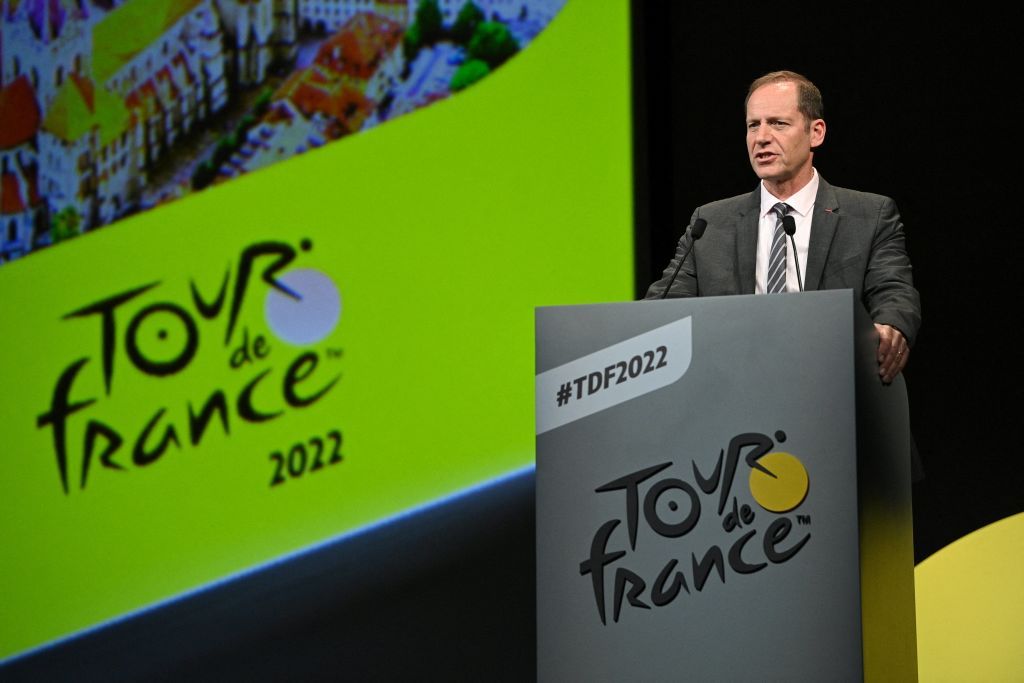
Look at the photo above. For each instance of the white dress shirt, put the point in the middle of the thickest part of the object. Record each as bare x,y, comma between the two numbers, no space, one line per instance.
801,207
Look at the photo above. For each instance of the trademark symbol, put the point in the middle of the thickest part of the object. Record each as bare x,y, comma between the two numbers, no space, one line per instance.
803,520
335,353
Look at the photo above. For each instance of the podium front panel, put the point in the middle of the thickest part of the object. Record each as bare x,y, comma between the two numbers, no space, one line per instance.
697,490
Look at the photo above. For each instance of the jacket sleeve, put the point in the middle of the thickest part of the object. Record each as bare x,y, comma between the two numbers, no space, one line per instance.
889,292
684,283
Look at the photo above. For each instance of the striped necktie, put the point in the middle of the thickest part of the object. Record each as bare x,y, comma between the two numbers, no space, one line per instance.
776,283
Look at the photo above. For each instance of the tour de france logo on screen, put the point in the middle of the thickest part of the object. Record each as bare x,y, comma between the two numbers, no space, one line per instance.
264,322
665,503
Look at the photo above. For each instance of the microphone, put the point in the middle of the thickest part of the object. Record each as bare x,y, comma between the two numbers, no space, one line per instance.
696,230
789,225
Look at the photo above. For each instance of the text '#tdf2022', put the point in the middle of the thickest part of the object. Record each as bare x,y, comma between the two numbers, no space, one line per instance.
616,373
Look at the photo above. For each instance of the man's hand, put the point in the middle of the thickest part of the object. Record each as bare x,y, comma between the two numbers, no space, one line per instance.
893,351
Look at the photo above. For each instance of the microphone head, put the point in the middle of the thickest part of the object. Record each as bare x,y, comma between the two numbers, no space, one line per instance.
698,228
789,224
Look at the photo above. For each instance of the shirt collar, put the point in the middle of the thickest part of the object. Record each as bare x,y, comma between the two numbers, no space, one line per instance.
801,203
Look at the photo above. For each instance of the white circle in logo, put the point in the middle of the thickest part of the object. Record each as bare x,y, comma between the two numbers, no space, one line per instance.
309,318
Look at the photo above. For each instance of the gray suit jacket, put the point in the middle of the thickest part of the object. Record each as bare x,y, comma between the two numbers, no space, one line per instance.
856,243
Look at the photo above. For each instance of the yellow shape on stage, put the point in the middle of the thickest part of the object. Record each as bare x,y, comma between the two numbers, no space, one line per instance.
970,607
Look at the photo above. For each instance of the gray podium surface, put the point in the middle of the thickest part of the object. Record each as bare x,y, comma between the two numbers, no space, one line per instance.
699,513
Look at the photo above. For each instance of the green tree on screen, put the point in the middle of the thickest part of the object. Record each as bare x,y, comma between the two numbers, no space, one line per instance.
263,101
428,19
66,224
426,29
411,43
493,43
469,73
470,16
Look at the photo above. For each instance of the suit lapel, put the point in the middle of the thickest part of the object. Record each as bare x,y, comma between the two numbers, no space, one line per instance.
823,229
747,220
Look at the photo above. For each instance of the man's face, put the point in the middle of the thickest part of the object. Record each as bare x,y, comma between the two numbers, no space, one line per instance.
779,138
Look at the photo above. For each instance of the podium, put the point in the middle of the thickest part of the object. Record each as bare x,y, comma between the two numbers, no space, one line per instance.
722,493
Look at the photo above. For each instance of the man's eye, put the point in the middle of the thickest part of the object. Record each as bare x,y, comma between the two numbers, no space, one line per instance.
779,124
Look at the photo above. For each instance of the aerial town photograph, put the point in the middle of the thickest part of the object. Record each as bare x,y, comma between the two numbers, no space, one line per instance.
112,107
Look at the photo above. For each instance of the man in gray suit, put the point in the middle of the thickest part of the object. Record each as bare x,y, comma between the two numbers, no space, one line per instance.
843,238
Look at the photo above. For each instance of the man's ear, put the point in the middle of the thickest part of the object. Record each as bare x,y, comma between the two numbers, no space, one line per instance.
817,132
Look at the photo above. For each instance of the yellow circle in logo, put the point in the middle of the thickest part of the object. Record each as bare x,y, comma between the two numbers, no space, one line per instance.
786,485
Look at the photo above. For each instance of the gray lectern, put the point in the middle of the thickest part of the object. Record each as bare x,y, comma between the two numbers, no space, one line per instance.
723,493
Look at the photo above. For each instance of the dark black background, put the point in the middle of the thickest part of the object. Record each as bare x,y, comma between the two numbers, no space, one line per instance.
921,105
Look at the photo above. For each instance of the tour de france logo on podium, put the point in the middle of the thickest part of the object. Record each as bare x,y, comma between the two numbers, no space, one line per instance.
670,500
